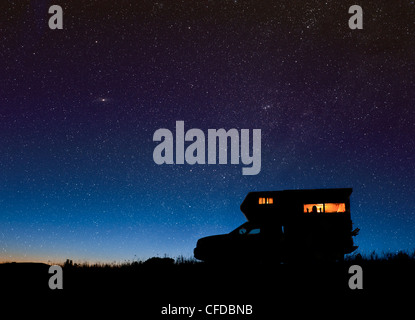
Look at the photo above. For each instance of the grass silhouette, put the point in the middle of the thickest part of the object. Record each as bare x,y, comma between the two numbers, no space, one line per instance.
166,261
159,281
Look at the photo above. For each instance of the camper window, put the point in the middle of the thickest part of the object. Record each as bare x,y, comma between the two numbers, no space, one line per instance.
325,208
335,207
314,208
266,200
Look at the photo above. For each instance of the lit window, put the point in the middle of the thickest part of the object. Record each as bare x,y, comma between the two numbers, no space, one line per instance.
335,207
266,200
324,207
314,208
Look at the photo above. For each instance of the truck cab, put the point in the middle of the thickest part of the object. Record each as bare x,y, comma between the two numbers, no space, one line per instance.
287,225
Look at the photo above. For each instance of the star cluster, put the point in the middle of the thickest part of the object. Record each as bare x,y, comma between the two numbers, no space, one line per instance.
79,107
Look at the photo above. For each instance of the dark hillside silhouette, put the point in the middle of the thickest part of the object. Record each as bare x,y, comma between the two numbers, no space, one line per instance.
144,287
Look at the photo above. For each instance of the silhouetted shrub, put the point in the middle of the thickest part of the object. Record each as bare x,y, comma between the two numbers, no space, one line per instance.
182,260
156,261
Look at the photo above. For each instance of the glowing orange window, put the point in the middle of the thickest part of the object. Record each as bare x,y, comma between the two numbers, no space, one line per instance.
335,207
266,200
325,208
314,208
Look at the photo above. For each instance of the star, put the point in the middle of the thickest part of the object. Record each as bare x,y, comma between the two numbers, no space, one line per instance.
266,107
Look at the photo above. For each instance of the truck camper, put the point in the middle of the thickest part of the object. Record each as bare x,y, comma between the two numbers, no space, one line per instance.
285,226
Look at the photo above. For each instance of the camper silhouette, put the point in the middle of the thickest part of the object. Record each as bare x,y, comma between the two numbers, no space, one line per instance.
285,226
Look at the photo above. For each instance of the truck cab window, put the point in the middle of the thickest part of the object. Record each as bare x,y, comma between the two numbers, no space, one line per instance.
255,231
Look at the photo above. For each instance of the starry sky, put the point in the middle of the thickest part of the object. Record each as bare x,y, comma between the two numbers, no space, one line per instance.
79,107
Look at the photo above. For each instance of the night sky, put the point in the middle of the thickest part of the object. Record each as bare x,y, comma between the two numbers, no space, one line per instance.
79,107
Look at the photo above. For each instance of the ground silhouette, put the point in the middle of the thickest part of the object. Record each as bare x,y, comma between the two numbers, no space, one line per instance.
145,287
